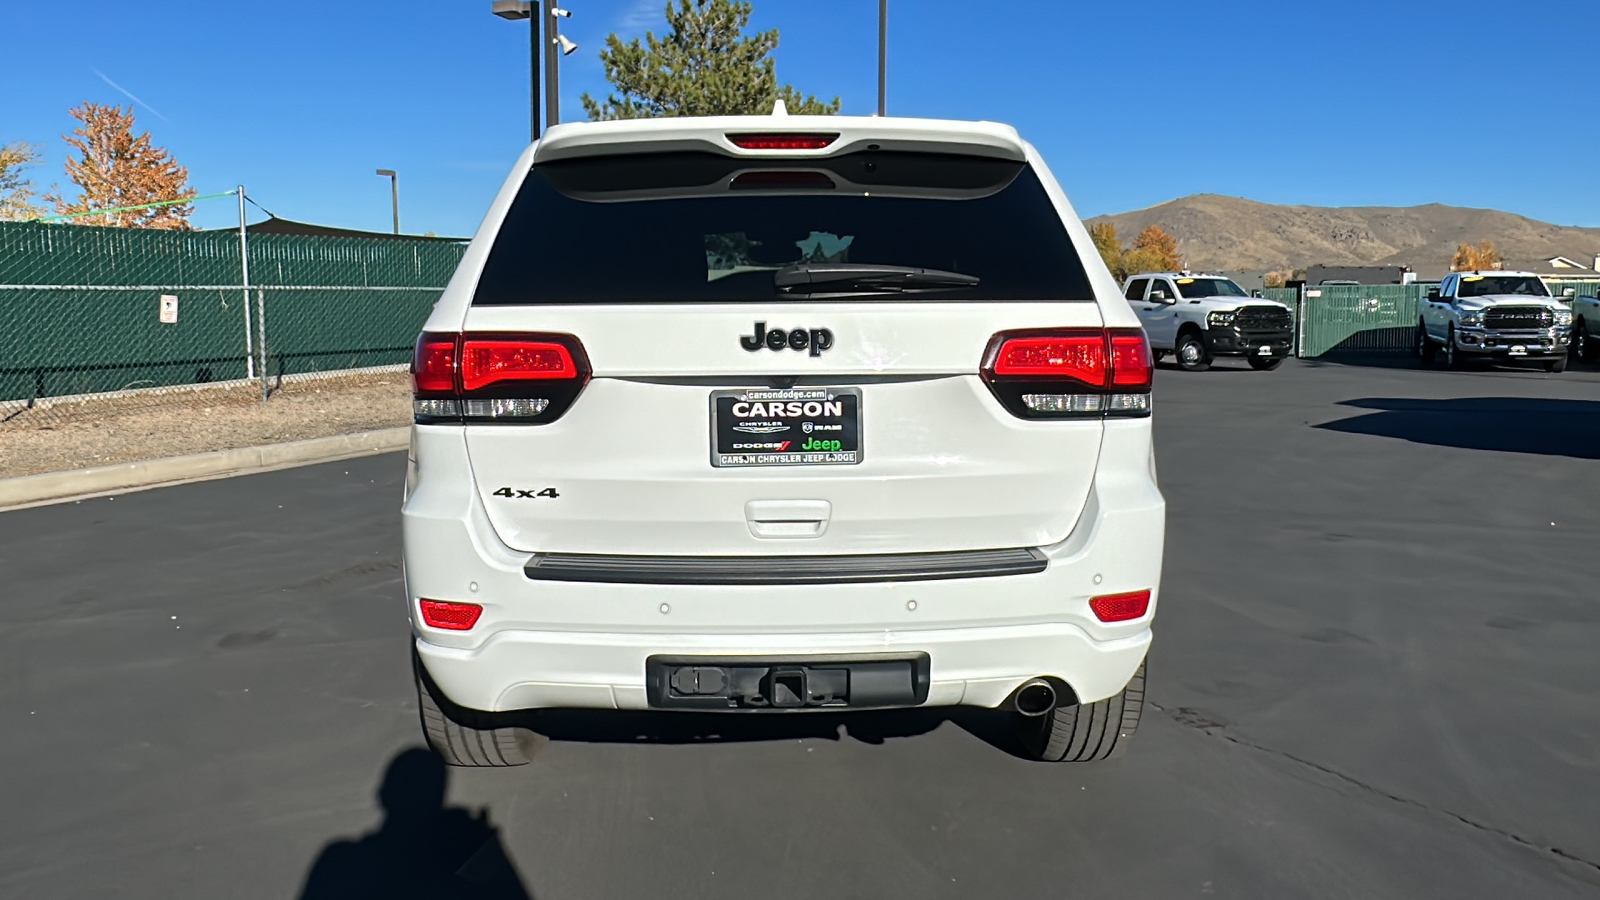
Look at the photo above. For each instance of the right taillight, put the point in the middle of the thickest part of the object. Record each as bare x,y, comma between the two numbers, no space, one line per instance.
496,378
1070,372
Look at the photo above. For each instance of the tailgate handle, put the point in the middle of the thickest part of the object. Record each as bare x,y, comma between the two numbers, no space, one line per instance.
787,518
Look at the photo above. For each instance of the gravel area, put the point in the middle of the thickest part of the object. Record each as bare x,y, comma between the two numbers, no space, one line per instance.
108,431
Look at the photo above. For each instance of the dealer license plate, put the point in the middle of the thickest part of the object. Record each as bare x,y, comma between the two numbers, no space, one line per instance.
1264,351
795,427
1519,350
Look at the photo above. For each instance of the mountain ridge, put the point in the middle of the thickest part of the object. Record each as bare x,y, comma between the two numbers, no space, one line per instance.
1232,233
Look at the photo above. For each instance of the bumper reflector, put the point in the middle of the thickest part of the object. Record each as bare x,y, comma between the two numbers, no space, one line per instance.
450,616
1120,607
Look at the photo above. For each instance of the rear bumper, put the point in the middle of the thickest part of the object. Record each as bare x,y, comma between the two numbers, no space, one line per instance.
968,666
552,643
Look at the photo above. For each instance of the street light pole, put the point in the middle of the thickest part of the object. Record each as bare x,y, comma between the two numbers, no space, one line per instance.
512,10
552,66
883,57
394,195
533,66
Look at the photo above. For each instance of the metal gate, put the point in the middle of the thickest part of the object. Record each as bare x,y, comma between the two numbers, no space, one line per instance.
1363,318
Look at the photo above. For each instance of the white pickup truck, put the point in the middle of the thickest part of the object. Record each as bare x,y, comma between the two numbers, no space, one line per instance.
1493,316
1198,318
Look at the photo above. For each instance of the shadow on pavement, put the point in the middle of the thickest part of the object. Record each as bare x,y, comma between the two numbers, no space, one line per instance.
868,727
1368,360
1510,424
423,849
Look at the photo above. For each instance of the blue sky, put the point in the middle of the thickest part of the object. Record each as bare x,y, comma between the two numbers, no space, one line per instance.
1285,101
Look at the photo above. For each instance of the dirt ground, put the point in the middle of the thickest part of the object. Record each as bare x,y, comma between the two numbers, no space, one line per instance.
150,426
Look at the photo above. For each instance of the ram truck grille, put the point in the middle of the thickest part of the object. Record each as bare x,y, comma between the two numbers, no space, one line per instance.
1514,317
1262,318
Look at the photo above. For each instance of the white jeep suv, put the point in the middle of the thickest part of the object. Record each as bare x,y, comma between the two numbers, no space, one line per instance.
781,414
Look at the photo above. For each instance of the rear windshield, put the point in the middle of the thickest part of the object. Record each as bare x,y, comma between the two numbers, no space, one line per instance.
699,227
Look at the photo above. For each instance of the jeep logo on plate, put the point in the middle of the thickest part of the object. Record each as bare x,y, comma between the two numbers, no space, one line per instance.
816,339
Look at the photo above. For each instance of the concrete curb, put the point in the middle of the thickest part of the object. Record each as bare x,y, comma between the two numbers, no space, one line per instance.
54,487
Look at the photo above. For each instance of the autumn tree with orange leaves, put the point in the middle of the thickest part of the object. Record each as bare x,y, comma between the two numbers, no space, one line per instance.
1481,258
1153,250
115,168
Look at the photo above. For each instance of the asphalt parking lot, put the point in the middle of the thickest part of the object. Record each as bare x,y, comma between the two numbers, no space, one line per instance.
1375,675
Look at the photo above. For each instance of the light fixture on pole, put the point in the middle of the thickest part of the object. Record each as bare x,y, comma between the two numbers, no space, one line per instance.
512,10
394,195
556,46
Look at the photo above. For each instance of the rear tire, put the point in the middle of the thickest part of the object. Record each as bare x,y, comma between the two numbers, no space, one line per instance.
1086,732
1191,353
464,737
1264,365
1583,344
1427,350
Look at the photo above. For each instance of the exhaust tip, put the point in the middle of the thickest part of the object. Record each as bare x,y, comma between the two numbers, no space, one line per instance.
1035,698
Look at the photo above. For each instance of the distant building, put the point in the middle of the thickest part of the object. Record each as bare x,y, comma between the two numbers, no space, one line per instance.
1558,268
1249,280
1316,275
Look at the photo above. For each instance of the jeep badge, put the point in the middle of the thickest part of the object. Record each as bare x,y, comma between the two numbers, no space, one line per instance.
816,339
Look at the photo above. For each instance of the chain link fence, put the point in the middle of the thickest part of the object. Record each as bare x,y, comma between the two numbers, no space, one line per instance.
111,317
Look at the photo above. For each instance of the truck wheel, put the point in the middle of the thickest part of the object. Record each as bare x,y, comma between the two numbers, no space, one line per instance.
1452,356
1558,364
1191,353
1263,364
464,737
1426,350
1085,732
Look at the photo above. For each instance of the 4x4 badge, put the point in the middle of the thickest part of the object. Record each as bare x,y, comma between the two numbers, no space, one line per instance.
816,339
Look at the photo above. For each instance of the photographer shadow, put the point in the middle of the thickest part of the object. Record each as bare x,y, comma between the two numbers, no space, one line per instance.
422,849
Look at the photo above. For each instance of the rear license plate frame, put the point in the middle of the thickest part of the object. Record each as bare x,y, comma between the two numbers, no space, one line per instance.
730,429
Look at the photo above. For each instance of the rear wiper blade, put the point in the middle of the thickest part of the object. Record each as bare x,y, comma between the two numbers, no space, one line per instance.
819,278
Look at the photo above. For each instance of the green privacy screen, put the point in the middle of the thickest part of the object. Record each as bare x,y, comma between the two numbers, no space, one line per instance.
1377,318
87,309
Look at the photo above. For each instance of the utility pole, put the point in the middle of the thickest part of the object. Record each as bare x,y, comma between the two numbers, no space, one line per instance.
511,10
883,57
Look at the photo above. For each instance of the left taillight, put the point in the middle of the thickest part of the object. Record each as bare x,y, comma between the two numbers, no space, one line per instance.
485,377
1071,372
